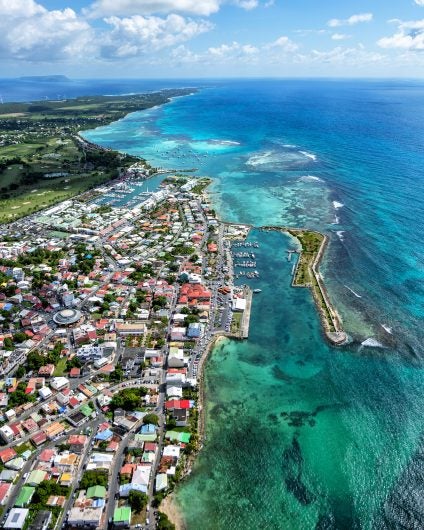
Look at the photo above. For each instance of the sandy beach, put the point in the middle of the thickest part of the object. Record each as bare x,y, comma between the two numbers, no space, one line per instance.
170,508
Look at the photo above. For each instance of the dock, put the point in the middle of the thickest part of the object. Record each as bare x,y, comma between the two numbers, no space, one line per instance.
245,323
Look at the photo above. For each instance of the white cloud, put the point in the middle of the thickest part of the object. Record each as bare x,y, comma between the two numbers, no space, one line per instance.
28,31
351,21
357,57
283,44
419,2
247,4
137,35
340,36
409,36
26,8
233,51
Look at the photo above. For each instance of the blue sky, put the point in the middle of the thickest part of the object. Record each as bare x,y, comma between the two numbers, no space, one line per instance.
212,38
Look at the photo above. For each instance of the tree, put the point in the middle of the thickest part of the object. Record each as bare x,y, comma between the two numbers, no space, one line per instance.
137,500
128,398
151,418
94,478
8,344
20,372
117,375
164,523
19,337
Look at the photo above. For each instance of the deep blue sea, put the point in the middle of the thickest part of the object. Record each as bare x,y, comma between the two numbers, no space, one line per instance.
301,435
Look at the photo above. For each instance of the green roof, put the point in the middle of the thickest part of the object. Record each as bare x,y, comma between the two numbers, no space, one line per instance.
36,477
25,495
122,515
183,437
86,410
98,492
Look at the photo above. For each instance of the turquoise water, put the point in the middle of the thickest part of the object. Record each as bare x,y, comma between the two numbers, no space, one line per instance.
301,435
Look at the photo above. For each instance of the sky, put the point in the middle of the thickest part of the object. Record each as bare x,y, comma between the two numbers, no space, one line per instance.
212,38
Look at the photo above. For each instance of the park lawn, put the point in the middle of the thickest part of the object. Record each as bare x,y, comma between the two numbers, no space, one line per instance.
60,367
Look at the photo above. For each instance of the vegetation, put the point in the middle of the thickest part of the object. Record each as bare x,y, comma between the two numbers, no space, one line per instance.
151,418
137,500
18,397
43,160
164,523
128,398
94,478
44,490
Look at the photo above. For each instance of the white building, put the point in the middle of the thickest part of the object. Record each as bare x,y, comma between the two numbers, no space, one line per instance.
176,358
45,392
7,434
59,383
16,518
89,353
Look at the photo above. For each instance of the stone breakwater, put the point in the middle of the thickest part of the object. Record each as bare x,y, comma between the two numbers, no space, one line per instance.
306,274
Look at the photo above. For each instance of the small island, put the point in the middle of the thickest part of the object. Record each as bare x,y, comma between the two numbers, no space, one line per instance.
306,274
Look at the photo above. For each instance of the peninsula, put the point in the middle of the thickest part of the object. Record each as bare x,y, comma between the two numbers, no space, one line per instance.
306,274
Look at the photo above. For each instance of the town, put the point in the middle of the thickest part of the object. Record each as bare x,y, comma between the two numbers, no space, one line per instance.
109,304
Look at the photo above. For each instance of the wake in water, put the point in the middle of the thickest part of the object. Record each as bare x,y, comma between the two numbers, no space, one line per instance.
387,328
353,292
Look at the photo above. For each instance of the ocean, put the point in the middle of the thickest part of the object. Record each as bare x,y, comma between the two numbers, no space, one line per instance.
299,434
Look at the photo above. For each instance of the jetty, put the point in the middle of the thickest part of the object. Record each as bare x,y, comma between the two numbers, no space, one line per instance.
306,274
245,321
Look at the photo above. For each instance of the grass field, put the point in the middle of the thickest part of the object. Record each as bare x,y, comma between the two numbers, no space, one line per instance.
40,138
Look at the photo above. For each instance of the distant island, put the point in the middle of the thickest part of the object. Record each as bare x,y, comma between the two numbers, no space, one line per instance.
46,78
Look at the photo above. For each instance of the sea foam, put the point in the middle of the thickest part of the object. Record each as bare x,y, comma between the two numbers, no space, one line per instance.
372,343
337,205
309,155
310,178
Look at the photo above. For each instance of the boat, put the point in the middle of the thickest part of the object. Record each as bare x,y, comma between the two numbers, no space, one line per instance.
257,291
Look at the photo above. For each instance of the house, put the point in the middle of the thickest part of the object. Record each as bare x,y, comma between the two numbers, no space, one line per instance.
46,371
24,496
59,383
122,517
161,481
77,443
7,454
85,517
96,492
36,477
194,330
176,357
5,488
42,520
16,518
45,393
7,434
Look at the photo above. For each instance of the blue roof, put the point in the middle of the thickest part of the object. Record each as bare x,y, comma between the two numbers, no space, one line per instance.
148,429
98,503
125,489
104,435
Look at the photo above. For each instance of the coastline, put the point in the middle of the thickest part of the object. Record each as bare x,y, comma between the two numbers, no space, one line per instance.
329,317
